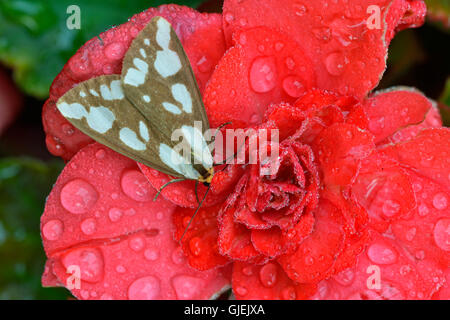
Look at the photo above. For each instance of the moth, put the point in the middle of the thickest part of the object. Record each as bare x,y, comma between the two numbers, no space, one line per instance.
135,113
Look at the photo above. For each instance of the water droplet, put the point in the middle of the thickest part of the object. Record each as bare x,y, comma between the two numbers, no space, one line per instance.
335,63
441,234
204,64
420,255
186,287
229,17
120,269
345,277
178,256
78,196
440,201
130,212
300,9
88,226
376,125
89,260
382,254
53,230
279,46
323,33
137,243
114,51
195,246
268,275
423,210
390,208
263,74
290,63
114,214
68,129
288,293
135,185
151,254
293,87
146,288
106,296
248,270
410,234
241,291
100,154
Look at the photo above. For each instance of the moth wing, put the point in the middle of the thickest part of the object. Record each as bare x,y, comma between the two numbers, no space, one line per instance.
99,108
158,79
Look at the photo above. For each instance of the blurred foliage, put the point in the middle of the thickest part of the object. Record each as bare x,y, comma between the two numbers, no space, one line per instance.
35,41
24,186
444,104
439,12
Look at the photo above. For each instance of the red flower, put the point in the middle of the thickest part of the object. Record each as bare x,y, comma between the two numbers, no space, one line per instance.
358,207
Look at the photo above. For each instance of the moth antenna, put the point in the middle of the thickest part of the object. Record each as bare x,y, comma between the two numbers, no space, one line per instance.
165,185
198,208
196,191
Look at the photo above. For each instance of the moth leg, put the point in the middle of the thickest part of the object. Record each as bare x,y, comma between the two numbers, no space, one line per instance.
165,185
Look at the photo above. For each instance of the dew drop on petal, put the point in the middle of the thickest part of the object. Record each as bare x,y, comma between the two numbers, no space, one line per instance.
345,277
114,214
53,230
242,291
288,293
78,196
151,254
268,275
146,288
335,63
390,208
89,260
263,74
100,154
293,87
114,51
135,185
186,287
136,243
441,234
178,256
88,226
381,254
440,201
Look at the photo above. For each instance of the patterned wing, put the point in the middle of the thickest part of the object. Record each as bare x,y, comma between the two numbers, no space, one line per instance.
158,79
98,107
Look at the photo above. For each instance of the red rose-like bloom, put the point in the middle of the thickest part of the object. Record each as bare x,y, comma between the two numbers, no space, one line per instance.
356,207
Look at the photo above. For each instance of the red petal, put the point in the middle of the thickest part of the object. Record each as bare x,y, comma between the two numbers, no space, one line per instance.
200,33
200,239
235,239
274,242
427,153
340,149
263,67
391,111
100,217
268,282
400,275
385,191
315,256
348,56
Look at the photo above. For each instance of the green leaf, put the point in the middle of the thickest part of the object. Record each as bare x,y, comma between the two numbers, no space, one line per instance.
444,104
36,43
24,185
439,12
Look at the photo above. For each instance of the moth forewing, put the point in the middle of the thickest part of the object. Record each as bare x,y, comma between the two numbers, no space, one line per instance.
99,108
158,79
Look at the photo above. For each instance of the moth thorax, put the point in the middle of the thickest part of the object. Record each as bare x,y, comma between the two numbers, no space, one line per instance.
207,177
